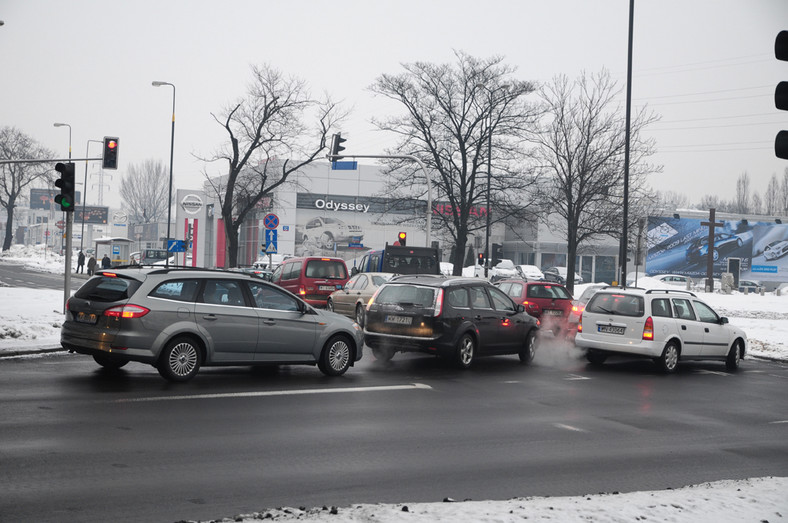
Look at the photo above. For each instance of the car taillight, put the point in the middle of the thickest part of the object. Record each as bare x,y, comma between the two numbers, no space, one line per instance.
372,299
438,304
126,311
648,329
580,324
301,291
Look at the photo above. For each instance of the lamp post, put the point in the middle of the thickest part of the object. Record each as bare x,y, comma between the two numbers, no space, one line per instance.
85,193
489,180
172,149
69,136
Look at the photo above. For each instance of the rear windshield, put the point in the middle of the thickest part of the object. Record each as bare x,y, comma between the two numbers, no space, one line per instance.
328,269
412,295
619,304
548,291
410,264
108,288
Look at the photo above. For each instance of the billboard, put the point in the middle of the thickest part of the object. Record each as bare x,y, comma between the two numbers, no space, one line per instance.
681,246
96,215
45,198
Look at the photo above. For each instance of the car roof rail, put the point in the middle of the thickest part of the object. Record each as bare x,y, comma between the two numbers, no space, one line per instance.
622,287
652,291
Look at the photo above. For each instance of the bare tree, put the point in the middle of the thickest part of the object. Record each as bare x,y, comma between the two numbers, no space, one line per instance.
455,114
268,141
742,201
144,192
671,200
771,199
580,155
15,178
756,207
784,194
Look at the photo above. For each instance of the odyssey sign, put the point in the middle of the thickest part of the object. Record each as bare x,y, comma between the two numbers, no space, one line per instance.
191,203
331,205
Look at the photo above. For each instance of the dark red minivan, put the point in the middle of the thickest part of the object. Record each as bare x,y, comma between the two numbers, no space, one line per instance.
312,279
548,301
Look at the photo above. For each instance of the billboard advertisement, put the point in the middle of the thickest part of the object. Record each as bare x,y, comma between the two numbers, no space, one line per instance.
681,246
45,198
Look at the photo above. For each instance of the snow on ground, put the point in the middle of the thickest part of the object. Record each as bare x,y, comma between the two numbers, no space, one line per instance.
30,319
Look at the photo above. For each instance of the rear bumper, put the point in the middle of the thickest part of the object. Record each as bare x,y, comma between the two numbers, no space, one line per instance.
397,343
650,349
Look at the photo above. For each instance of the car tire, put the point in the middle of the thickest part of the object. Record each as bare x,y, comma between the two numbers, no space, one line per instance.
383,355
335,357
669,359
466,348
528,350
108,361
739,242
327,240
596,357
330,305
734,356
360,314
180,360
715,255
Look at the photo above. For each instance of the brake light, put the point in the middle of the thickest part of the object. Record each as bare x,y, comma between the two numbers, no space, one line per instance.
126,311
580,324
109,274
648,329
438,304
301,291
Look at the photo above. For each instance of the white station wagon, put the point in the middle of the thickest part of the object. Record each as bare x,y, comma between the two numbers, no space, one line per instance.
663,324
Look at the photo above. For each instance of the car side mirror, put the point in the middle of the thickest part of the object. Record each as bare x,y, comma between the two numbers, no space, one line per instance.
354,271
723,320
520,307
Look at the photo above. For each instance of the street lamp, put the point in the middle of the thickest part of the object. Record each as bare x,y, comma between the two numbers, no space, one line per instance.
85,193
489,179
69,136
172,148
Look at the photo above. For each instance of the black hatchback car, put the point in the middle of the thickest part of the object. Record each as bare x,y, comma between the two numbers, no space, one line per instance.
457,318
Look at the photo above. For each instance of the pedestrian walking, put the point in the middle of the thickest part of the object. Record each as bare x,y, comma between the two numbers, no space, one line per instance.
105,262
81,262
91,265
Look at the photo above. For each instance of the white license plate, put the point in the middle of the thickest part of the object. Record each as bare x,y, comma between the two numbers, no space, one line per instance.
326,288
611,329
553,312
83,317
399,320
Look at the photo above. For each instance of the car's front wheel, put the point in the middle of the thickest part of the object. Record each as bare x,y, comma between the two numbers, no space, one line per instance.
734,356
463,355
180,360
335,358
670,358
108,361
528,350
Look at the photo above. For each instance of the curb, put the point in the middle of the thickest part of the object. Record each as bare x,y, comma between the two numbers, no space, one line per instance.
28,352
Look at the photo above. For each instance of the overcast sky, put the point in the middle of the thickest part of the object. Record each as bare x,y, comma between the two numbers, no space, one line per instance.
707,66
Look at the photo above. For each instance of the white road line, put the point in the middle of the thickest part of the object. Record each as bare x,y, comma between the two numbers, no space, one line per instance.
412,386
573,377
568,427
715,372
778,422
513,381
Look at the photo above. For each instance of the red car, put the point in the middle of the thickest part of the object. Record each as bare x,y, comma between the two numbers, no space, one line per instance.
548,301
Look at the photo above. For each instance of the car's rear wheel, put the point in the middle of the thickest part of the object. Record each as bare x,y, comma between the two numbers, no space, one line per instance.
596,357
335,358
382,354
180,360
109,361
330,305
734,356
670,358
528,350
463,355
360,314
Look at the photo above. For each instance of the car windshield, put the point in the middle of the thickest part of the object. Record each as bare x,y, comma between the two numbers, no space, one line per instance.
413,295
380,279
620,304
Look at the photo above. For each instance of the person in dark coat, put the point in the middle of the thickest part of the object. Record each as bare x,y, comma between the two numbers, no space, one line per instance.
91,265
105,262
81,262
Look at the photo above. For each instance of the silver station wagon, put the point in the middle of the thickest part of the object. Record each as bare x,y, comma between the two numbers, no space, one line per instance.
181,319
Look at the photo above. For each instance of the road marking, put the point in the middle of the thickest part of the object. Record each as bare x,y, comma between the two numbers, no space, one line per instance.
568,427
715,372
412,386
778,376
778,422
513,381
573,377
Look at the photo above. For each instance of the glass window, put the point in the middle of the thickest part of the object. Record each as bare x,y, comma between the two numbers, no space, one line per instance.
380,279
661,307
705,313
505,287
351,282
180,290
458,298
361,282
501,301
328,269
108,288
621,304
683,309
267,297
223,292
479,298
407,295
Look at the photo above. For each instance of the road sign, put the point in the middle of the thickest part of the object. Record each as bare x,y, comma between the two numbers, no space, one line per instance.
271,221
270,241
60,224
176,246
344,166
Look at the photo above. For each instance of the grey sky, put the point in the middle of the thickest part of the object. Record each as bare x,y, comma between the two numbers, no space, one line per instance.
707,66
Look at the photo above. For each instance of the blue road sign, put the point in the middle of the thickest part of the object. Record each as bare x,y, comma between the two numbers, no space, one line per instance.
271,221
344,166
176,246
270,241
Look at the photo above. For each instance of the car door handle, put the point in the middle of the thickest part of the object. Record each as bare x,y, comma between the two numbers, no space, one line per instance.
210,317
477,317
683,327
269,322
706,329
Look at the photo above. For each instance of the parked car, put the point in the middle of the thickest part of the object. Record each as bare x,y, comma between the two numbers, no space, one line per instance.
750,286
313,279
456,318
677,280
352,299
776,249
503,270
179,320
558,275
257,272
724,243
326,231
663,324
529,272
550,302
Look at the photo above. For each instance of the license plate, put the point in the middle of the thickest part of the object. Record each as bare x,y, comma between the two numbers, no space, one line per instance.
84,317
611,329
553,312
399,320
326,288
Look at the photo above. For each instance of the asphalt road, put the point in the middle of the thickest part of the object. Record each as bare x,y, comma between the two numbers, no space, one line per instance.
21,276
78,443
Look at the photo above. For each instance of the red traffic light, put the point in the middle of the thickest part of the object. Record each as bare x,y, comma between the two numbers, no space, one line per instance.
112,144
402,237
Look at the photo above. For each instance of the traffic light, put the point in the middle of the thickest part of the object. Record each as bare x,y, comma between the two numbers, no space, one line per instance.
781,95
110,158
67,186
481,258
336,147
402,238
